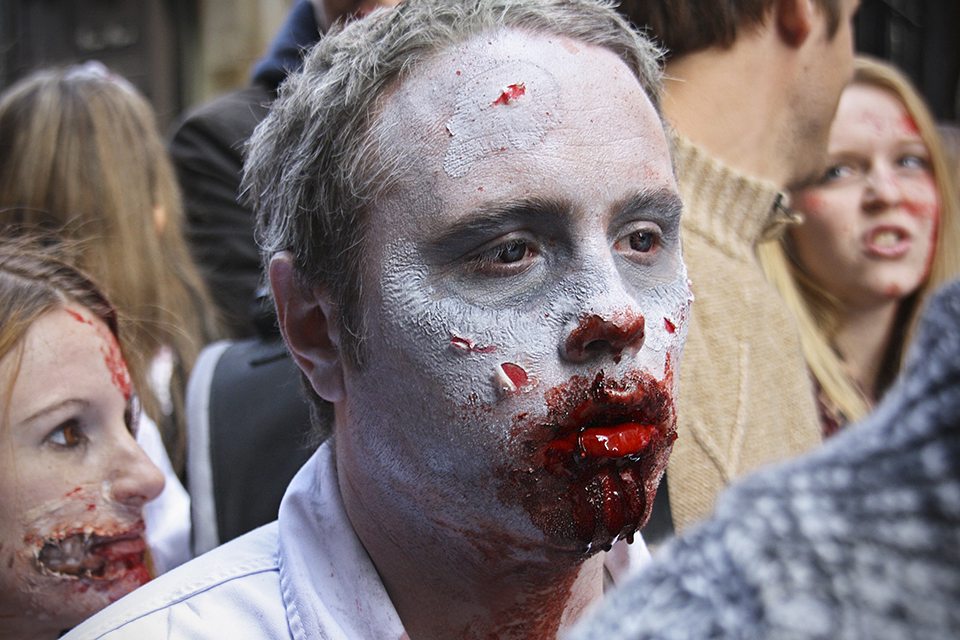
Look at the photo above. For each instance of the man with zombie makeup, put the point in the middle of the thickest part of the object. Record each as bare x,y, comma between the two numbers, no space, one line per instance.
751,89
472,230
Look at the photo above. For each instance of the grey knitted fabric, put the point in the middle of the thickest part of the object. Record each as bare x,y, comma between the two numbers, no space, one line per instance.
860,539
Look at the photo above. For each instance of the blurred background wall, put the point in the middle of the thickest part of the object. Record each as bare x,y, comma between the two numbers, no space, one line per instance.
183,52
178,52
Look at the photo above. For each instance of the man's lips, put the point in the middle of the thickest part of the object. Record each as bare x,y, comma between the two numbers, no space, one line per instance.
617,441
615,420
595,459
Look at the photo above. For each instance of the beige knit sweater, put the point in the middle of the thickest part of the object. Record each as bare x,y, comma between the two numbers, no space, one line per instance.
745,395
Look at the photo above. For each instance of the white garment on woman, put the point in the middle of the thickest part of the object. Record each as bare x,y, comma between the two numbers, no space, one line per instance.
168,516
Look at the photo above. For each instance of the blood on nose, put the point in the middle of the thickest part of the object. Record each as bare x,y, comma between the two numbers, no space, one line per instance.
595,335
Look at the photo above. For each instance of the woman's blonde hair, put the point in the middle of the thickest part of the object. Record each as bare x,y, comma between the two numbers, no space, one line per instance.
818,313
80,156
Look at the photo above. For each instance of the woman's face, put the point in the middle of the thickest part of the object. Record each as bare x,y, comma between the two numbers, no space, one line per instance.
871,221
72,477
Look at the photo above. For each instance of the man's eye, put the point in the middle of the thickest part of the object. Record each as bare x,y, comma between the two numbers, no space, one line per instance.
513,251
507,258
643,241
67,434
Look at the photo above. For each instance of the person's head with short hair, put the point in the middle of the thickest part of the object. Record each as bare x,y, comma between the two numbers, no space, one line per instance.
81,155
686,26
73,480
471,224
754,83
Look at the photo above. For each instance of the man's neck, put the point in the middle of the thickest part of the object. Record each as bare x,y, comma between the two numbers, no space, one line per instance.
447,584
733,104
523,603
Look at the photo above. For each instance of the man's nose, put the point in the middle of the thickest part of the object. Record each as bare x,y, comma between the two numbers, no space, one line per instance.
597,334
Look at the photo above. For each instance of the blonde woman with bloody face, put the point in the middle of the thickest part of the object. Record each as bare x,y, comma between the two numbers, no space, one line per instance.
73,480
879,232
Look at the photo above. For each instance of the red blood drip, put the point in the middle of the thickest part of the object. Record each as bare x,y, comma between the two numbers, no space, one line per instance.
908,124
463,345
512,92
614,502
76,316
617,441
516,374
671,328
117,366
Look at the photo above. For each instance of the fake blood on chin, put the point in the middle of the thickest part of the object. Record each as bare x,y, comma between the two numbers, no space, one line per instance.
594,463
115,563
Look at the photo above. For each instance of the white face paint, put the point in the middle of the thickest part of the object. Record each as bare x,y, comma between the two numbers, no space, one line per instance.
509,106
525,305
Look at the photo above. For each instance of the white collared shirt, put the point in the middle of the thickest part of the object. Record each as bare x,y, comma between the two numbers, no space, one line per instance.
307,575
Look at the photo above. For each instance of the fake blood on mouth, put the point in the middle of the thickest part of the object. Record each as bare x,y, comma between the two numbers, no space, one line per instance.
617,441
103,561
596,460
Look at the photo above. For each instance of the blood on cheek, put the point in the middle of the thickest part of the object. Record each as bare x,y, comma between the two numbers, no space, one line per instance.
920,199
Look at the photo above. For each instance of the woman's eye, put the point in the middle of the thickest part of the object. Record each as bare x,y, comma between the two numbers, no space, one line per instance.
67,434
643,241
836,172
131,417
913,162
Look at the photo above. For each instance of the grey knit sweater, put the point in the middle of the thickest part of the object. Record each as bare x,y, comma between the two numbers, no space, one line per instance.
860,539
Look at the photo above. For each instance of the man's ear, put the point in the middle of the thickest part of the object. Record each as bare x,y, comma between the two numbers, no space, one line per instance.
308,323
795,20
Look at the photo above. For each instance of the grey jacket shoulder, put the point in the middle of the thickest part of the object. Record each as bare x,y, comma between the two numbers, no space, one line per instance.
860,539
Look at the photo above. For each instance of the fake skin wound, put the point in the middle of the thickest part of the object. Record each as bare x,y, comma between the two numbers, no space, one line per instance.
71,494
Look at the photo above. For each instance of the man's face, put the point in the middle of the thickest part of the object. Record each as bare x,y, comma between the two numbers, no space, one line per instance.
524,302
827,70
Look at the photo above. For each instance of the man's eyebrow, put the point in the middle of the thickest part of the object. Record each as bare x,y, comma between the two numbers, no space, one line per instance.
662,204
491,219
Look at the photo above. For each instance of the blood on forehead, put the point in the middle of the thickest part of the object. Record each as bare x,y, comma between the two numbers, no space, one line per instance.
116,365
509,106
